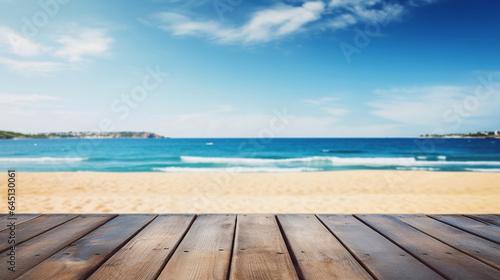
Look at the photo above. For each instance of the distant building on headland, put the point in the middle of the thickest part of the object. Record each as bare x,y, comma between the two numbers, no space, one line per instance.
478,134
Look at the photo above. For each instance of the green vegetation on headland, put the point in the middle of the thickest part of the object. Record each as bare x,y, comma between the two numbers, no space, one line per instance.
71,134
479,134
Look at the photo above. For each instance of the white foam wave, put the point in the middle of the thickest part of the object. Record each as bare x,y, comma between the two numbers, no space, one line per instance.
233,170
483,169
335,161
42,159
417,168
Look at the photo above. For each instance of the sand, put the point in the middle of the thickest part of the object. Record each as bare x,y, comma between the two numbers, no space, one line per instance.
325,192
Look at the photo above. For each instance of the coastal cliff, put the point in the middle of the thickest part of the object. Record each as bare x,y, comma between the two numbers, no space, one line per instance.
71,134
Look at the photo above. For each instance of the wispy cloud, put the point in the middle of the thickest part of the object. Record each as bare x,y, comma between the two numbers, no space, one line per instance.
430,106
282,20
90,42
17,44
329,105
21,99
61,52
266,25
41,67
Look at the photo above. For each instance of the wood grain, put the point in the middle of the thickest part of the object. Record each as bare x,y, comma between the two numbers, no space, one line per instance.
34,227
259,250
482,229
477,247
39,248
205,251
447,260
318,253
492,219
19,219
144,256
84,256
381,257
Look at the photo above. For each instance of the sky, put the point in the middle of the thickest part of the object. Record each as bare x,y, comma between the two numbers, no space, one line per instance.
240,68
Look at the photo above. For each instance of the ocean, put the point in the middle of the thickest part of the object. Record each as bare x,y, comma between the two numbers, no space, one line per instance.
278,155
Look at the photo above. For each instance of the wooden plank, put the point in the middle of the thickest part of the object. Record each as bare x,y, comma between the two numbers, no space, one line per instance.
482,229
205,251
39,248
381,257
144,256
259,250
447,260
84,256
19,219
492,219
33,227
477,247
318,254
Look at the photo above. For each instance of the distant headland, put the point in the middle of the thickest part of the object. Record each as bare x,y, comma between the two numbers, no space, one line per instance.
71,134
478,134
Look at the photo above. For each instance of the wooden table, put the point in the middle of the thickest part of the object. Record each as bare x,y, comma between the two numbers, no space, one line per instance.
256,246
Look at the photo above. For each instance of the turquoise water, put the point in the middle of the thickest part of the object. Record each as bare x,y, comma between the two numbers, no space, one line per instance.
250,155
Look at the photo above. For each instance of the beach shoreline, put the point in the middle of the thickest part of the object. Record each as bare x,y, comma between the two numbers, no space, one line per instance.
354,191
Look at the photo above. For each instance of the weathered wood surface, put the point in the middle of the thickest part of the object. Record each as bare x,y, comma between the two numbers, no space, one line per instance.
205,251
19,219
384,259
229,246
477,247
144,256
447,260
260,251
37,249
479,228
491,219
318,253
33,227
84,256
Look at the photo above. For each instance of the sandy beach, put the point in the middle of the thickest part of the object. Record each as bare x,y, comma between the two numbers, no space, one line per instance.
324,192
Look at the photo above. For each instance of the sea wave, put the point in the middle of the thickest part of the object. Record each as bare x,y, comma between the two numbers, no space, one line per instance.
335,161
342,151
483,169
42,159
234,170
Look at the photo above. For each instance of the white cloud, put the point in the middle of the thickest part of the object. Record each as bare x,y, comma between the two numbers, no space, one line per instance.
27,56
90,42
8,98
330,105
344,3
429,106
320,101
341,21
264,26
17,44
336,111
40,67
282,20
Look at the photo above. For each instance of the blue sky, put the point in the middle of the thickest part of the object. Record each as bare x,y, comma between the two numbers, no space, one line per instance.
239,68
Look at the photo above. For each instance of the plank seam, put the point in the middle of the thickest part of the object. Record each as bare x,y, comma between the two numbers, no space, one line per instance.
40,261
348,249
232,248
44,231
449,245
403,248
174,250
479,219
288,246
465,230
35,216
90,272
